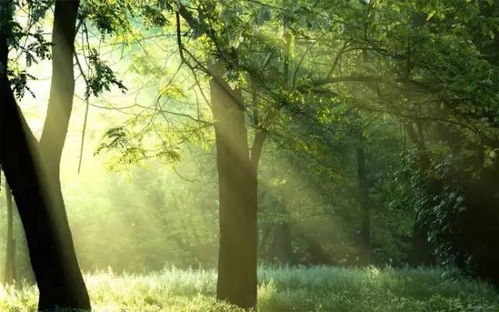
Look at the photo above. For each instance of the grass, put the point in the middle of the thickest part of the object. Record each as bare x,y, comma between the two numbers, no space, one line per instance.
281,290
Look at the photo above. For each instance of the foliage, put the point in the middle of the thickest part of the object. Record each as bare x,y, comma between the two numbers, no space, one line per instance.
101,77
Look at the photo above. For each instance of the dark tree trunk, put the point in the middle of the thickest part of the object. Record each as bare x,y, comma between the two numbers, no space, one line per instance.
365,227
281,251
237,263
52,258
34,175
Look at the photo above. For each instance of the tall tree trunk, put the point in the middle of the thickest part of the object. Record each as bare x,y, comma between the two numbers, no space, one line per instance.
54,136
237,263
365,227
9,270
238,188
34,176
281,250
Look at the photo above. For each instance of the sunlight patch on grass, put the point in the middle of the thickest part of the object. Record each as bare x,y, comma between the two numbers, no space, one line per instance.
317,289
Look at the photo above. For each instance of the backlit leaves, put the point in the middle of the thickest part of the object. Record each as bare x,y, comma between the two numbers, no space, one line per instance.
102,77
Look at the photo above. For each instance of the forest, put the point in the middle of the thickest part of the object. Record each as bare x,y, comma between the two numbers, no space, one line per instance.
249,155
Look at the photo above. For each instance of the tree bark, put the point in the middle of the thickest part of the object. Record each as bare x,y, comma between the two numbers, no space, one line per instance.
62,86
237,263
32,170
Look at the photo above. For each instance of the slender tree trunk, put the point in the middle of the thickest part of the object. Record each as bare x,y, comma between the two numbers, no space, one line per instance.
34,176
54,136
365,228
237,263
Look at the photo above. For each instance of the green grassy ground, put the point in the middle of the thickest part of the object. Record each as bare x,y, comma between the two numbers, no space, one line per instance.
296,289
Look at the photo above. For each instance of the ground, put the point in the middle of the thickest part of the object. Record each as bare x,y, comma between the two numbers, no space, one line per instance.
281,290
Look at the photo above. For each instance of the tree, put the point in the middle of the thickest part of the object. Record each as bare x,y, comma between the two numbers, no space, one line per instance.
31,168
237,265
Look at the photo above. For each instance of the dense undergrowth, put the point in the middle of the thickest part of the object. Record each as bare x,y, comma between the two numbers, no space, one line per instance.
288,289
